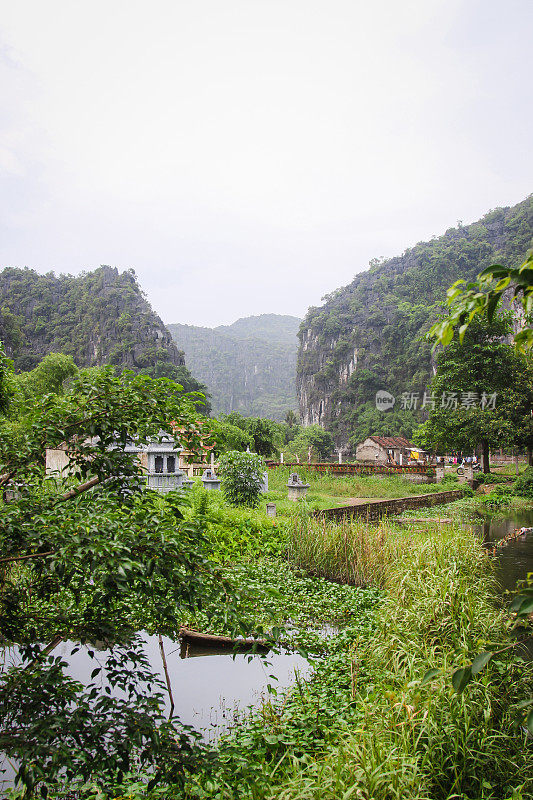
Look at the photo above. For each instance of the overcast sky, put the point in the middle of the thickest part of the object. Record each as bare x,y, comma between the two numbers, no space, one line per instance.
249,157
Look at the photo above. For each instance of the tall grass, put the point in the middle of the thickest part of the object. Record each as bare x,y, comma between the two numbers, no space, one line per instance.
347,486
426,742
348,552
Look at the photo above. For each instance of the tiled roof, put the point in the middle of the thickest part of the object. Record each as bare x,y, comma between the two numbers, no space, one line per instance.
392,442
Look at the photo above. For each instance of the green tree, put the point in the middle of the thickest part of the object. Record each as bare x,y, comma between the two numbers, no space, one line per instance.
266,434
242,477
229,437
467,301
492,385
291,419
100,557
313,436
50,375
181,375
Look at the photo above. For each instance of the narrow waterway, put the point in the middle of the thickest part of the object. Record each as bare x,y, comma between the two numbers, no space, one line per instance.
515,560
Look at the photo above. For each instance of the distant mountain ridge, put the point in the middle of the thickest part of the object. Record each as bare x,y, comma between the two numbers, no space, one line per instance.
249,366
98,317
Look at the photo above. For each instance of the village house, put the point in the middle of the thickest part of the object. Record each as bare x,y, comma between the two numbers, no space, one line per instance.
388,450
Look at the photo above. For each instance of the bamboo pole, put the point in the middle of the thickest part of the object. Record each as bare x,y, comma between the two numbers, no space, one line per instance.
167,677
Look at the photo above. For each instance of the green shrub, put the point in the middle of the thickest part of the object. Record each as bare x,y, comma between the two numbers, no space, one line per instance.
493,501
524,485
242,477
488,477
503,491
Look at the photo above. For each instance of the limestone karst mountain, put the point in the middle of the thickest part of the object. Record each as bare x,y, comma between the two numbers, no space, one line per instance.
98,317
369,335
249,366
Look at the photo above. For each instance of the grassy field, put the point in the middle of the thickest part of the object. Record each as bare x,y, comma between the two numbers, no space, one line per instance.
327,491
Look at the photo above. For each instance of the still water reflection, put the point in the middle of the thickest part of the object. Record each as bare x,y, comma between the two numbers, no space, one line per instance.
515,560
210,690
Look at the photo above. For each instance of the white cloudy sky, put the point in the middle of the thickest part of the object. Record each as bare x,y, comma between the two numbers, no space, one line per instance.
248,156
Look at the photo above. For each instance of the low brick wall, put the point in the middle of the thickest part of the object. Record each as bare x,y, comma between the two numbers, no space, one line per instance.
375,509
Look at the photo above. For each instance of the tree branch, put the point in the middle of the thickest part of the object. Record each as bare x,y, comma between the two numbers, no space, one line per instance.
30,555
6,477
83,487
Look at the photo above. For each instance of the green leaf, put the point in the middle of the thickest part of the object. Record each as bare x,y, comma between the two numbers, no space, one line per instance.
525,703
517,602
526,606
481,661
494,269
461,678
429,675
491,305
446,335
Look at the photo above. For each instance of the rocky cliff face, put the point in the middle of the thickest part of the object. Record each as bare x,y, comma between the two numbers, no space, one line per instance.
99,318
369,335
249,366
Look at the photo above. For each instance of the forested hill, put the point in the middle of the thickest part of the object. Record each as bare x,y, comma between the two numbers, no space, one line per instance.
249,366
99,317
367,336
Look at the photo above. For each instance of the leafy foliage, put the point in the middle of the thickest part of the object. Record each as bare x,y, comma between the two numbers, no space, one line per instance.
266,435
229,437
66,734
483,364
180,374
242,477
524,484
97,560
468,300
313,438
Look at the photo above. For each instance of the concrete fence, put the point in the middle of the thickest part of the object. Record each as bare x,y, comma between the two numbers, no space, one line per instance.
374,509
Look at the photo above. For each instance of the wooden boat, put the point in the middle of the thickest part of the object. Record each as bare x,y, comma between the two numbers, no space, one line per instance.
196,643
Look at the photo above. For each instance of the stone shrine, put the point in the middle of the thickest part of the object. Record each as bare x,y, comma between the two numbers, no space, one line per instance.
210,480
161,462
296,489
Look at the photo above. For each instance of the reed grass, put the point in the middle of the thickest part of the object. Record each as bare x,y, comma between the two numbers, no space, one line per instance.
418,742
349,552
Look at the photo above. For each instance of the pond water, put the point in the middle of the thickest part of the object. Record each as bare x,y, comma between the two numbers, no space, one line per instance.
515,560
211,689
